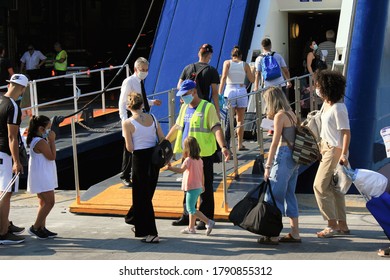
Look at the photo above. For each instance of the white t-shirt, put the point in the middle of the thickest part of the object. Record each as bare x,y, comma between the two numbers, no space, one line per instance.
281,62
333,121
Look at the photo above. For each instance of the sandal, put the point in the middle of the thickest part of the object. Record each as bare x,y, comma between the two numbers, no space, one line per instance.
384,252
326,233
289,239
243,148
344,232
151,239
267,240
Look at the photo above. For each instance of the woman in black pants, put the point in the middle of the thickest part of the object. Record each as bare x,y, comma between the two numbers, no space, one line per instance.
140,138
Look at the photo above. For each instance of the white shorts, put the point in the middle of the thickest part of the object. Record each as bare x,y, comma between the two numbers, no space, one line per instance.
6,173
234,91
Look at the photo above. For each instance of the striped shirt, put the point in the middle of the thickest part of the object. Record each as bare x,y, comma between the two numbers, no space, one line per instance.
331,48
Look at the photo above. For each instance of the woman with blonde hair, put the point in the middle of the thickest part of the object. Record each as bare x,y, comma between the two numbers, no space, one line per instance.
280,169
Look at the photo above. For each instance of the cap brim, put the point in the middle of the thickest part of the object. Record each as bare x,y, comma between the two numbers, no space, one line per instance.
181,92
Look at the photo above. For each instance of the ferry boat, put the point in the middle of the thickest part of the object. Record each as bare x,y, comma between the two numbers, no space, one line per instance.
184,25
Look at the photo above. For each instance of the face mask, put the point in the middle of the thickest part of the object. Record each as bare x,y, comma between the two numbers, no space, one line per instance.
318,92
46,133
187,99
315,47
142,75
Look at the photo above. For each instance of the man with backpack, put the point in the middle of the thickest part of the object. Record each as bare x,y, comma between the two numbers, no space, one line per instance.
271,69
204,75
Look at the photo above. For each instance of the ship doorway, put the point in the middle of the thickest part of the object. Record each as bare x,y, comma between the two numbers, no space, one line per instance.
312,25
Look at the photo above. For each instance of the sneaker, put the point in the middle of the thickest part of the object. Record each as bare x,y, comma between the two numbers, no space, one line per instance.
187,230
270,133
201,226
209,227
38,233
10,238
126,182
49,233
14,229
184,220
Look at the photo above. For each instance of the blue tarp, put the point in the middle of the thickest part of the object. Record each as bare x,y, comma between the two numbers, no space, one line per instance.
183,27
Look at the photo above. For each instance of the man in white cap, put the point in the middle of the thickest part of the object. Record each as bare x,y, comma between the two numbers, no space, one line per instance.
10,139
198,118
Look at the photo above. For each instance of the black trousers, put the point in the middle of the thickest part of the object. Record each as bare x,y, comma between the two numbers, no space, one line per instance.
126,160
145,177
207,197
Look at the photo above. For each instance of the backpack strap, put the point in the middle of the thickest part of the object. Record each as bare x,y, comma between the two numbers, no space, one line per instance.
200,69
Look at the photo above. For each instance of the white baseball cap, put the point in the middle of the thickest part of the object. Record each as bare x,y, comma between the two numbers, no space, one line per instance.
19,79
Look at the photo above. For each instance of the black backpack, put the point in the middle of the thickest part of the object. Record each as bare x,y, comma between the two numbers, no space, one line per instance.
194,76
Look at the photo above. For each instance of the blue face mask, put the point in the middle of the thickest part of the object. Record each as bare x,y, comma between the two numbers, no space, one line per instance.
46,133
187,99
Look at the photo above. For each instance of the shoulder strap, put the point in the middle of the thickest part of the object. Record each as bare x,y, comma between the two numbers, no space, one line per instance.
155,126
201,69
294,123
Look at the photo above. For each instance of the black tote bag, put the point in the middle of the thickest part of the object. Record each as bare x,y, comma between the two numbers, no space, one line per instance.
257,215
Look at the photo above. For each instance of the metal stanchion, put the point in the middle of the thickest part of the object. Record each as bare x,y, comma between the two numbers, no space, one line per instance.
297,99
224,182
171,108
75,162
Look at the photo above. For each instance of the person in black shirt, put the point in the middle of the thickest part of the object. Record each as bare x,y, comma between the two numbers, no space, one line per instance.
204,75
10,140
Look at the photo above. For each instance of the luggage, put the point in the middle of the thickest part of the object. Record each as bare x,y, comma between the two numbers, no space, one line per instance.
379,207
257,215
250,130
372,186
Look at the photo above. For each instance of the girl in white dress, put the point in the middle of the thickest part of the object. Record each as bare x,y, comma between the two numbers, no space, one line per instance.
42,175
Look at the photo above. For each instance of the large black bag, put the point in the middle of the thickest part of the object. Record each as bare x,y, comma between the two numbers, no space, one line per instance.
257,215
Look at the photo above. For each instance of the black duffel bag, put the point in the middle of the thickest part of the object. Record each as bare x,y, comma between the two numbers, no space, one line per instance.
256,215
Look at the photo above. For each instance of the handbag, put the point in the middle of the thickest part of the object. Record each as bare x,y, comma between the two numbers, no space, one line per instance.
162,152
257,215
340,180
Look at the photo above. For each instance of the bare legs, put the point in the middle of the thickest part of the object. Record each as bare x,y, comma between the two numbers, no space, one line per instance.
5,205
46,203
240,112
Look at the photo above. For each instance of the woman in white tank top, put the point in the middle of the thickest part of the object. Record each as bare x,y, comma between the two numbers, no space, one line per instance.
140,138
233,75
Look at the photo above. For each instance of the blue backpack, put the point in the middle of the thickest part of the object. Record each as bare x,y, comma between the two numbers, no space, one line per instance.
270,69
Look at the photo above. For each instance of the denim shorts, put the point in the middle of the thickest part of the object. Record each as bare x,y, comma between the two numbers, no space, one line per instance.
234,91
283,178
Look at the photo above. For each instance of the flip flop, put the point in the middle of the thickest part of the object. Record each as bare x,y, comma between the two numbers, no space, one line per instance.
243,148
267,240
327,232
154,239
289,239
384,252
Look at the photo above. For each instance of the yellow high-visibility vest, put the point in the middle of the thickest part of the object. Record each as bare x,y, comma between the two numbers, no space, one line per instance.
61,66
198,129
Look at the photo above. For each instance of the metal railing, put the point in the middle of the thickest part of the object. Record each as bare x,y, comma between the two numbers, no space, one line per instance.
299,84
170,118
